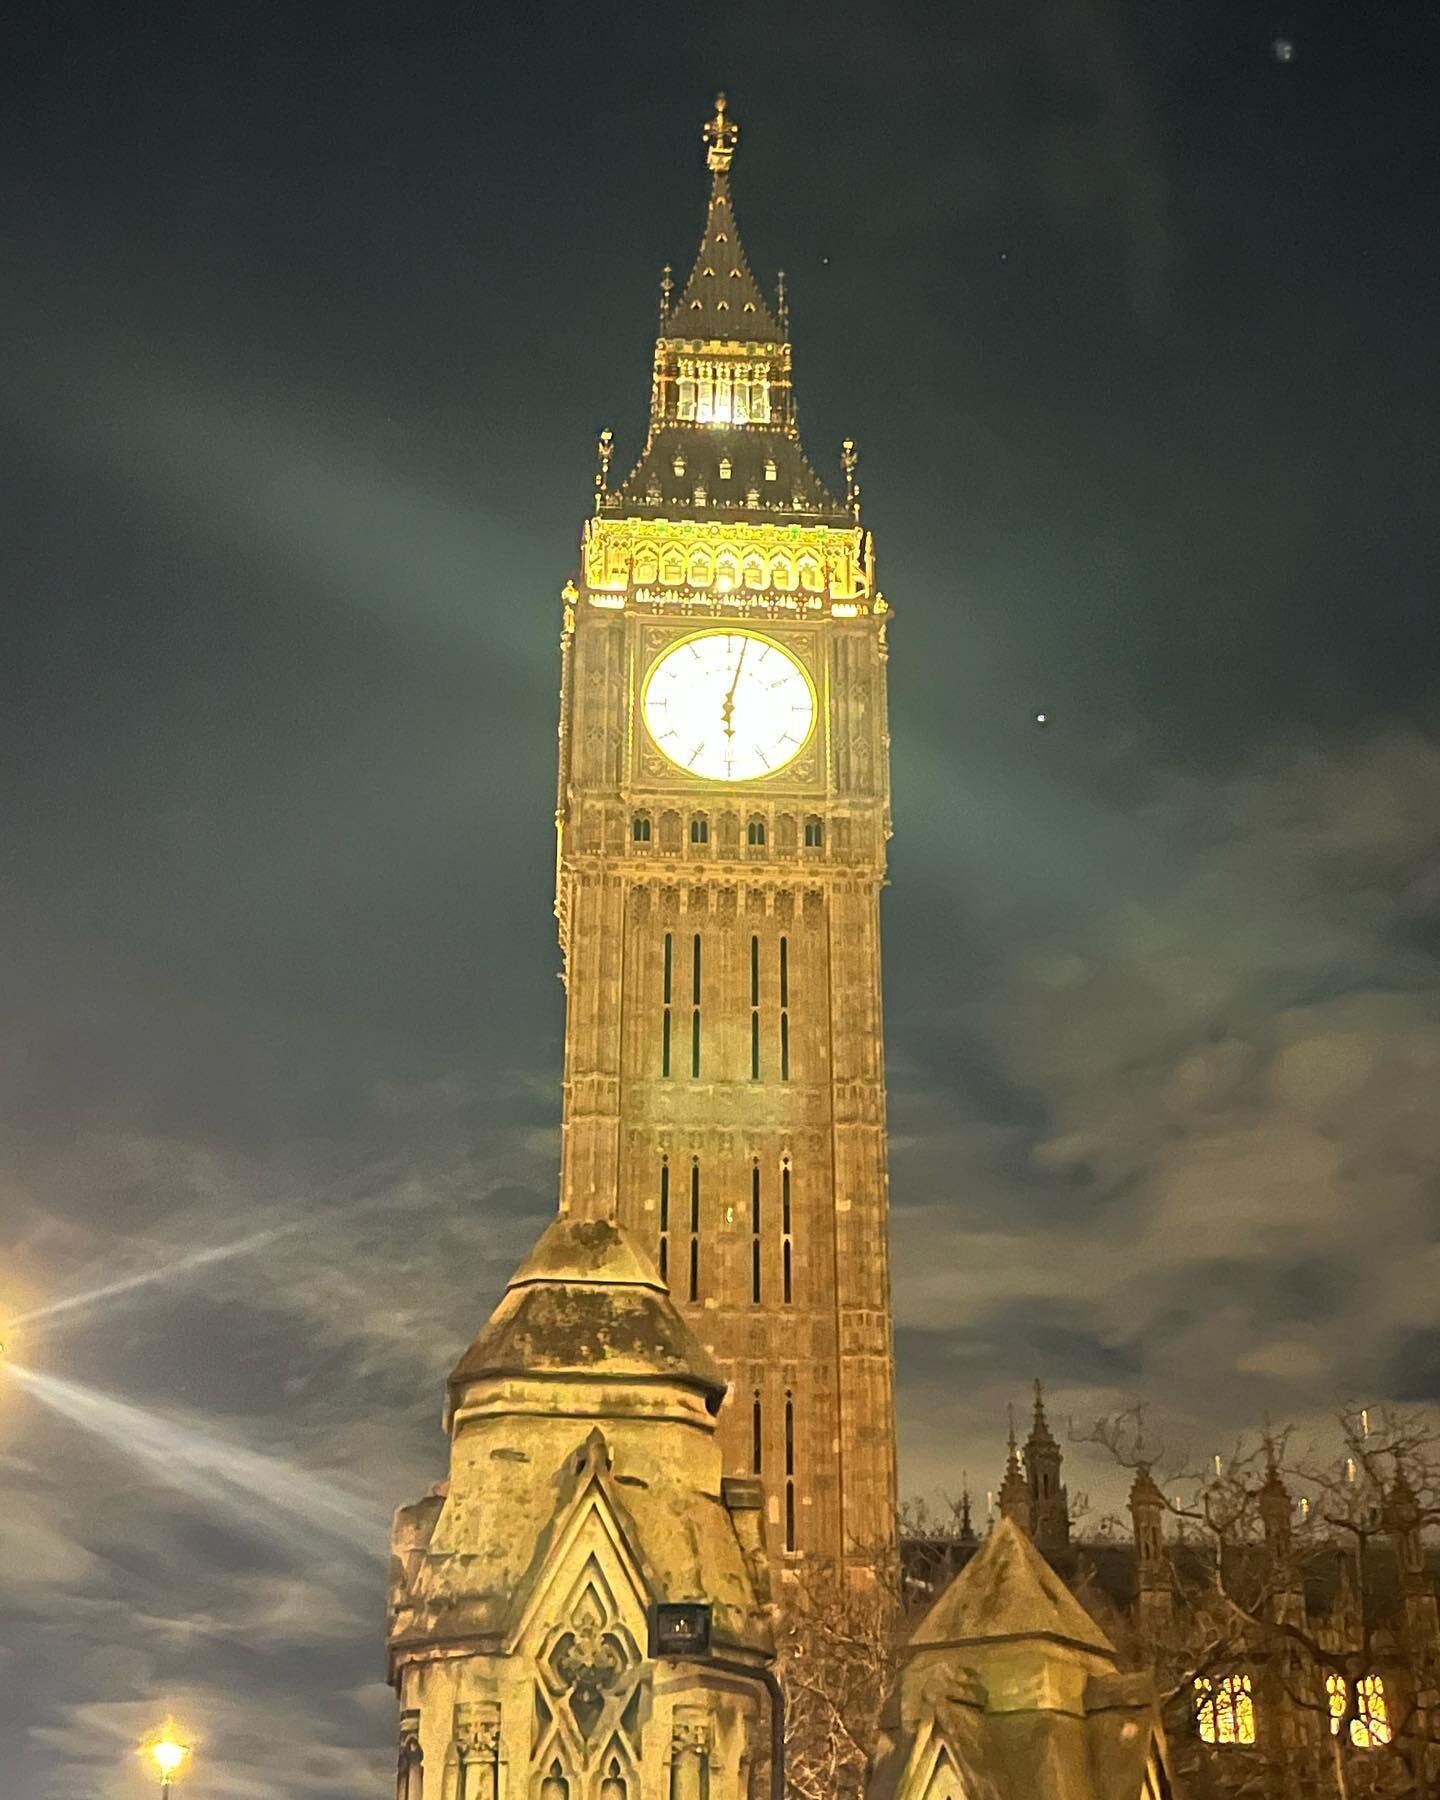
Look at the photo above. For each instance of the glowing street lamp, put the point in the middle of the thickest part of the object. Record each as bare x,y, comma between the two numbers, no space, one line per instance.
168,1755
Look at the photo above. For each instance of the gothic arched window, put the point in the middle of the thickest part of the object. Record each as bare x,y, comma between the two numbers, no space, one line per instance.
1225,1710
1370,1728
814,834
640,828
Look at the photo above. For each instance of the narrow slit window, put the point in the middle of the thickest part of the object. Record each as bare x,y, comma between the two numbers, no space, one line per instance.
789,1472
666,991
784,1009
787,1237
755,1256
757,1436
695,1013
754,1009
695,1230
665,1218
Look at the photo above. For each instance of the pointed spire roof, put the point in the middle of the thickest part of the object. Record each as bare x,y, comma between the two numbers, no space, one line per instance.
1040,1432
1008,1590
587,1301
1145,1490
1014,1488
722,298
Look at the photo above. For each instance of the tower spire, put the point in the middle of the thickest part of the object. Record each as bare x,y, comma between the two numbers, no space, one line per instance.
721,134
1049,1503
1014,1491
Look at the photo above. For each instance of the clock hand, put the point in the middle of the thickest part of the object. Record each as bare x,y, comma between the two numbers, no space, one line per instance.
727,710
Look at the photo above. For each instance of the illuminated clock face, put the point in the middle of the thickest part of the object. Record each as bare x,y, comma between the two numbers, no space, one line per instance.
729,706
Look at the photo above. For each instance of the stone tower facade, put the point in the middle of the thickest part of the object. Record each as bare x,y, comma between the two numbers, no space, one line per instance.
584,1489
723,812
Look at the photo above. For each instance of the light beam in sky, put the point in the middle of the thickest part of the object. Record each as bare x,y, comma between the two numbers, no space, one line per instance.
161,1272
262,1492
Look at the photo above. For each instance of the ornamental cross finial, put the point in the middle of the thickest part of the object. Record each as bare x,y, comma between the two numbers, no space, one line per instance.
605,448
720,136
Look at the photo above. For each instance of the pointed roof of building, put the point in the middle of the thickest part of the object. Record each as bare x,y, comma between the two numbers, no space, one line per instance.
587,1301
1040,1432
1008,1590
722,299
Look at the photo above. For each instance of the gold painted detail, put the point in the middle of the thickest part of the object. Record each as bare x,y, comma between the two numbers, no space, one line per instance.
808,564
721,134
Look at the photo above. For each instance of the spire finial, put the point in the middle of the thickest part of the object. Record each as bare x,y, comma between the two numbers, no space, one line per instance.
605,448
1010,1414
849,462
720,135
667,288
782,303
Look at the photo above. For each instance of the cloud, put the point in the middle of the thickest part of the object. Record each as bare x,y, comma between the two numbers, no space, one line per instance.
1225,1200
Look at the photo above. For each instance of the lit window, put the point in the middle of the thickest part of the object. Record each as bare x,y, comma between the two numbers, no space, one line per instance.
687,399
725,468
1225,1710
1370,1728
679,464
771,472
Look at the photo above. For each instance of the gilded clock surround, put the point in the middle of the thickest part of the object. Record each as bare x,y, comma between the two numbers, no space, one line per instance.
724,1073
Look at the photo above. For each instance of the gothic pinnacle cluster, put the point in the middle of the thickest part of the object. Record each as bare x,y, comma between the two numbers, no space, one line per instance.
1032,1494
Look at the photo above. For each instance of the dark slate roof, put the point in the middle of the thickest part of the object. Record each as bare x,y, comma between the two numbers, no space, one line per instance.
587,1301
653,487
722,298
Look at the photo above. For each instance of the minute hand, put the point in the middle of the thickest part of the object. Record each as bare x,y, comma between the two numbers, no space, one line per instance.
727,711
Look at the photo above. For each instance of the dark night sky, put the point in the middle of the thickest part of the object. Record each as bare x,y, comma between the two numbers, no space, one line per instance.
311,314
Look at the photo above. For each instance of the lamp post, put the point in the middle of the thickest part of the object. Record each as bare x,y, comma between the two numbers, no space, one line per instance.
682,1631
169,1757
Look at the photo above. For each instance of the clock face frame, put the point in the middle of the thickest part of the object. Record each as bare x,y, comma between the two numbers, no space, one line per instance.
728,705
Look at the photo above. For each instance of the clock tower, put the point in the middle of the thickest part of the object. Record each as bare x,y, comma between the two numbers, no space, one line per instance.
723,811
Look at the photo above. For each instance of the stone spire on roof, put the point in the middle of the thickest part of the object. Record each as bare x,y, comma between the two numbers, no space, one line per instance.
1049,1502
1014,1489
722,298
1008,1590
